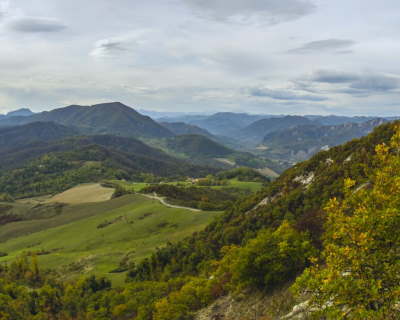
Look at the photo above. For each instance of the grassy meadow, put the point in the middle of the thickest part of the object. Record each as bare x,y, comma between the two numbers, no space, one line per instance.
92,238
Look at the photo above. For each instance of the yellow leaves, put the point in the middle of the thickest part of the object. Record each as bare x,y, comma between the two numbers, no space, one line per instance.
382,150
349,183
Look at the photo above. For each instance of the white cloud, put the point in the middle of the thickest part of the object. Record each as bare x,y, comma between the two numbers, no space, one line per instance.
199,55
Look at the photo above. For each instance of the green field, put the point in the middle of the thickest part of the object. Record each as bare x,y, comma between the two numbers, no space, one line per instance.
93,238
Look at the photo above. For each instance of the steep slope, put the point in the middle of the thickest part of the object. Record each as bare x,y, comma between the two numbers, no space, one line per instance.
107,118
301,142
298,195
255,132
181,128
42,167
14,137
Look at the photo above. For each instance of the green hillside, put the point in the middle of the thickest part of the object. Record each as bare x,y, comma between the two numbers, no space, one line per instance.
95,238
53,167
36,132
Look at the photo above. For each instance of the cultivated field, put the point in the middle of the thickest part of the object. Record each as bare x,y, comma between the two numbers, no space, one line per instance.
85,193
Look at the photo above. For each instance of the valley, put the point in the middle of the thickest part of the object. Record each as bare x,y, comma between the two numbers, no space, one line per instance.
179,221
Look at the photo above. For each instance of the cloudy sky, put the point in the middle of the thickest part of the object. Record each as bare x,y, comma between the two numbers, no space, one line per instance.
259,56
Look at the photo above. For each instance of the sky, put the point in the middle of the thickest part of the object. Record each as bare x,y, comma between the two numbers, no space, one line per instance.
256,56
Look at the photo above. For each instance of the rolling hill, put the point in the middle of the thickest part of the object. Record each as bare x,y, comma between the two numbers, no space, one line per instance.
108,118
93,238
41,168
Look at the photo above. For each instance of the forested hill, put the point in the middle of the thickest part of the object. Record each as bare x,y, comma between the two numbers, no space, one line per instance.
48,167
298,195
108,118
17,136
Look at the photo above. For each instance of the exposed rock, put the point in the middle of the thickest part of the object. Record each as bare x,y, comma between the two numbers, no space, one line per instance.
305,179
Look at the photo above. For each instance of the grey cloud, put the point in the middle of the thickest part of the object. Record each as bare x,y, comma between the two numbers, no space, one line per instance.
283,95
34,25
356,84
264,11
107,47
327,76
327,45
376,83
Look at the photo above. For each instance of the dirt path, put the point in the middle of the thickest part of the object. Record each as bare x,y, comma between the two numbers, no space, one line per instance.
156,197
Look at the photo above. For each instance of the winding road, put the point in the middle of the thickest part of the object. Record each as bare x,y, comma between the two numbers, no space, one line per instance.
162,201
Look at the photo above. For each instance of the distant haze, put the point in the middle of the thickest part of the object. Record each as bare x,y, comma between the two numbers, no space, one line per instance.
256,56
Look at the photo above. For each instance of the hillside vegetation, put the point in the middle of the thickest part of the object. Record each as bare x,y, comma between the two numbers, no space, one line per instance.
54,167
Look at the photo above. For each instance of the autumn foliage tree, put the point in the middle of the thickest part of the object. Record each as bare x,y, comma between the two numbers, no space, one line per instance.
359,275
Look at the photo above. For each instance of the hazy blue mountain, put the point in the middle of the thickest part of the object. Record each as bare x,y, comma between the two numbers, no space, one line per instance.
255,132
23,112
181,128
107,118
301,142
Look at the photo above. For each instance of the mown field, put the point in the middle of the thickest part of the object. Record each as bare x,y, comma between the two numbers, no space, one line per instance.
92,238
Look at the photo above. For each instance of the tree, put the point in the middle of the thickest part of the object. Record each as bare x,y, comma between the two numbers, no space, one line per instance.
359,277
270,259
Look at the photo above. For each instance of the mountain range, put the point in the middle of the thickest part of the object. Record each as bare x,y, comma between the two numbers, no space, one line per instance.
301,142
108,118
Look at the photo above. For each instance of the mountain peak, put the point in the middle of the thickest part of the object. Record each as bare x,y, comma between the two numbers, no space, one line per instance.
23,112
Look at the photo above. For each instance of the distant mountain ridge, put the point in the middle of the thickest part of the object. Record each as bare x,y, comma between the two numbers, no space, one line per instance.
301,142
181,128
106,118
256,131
